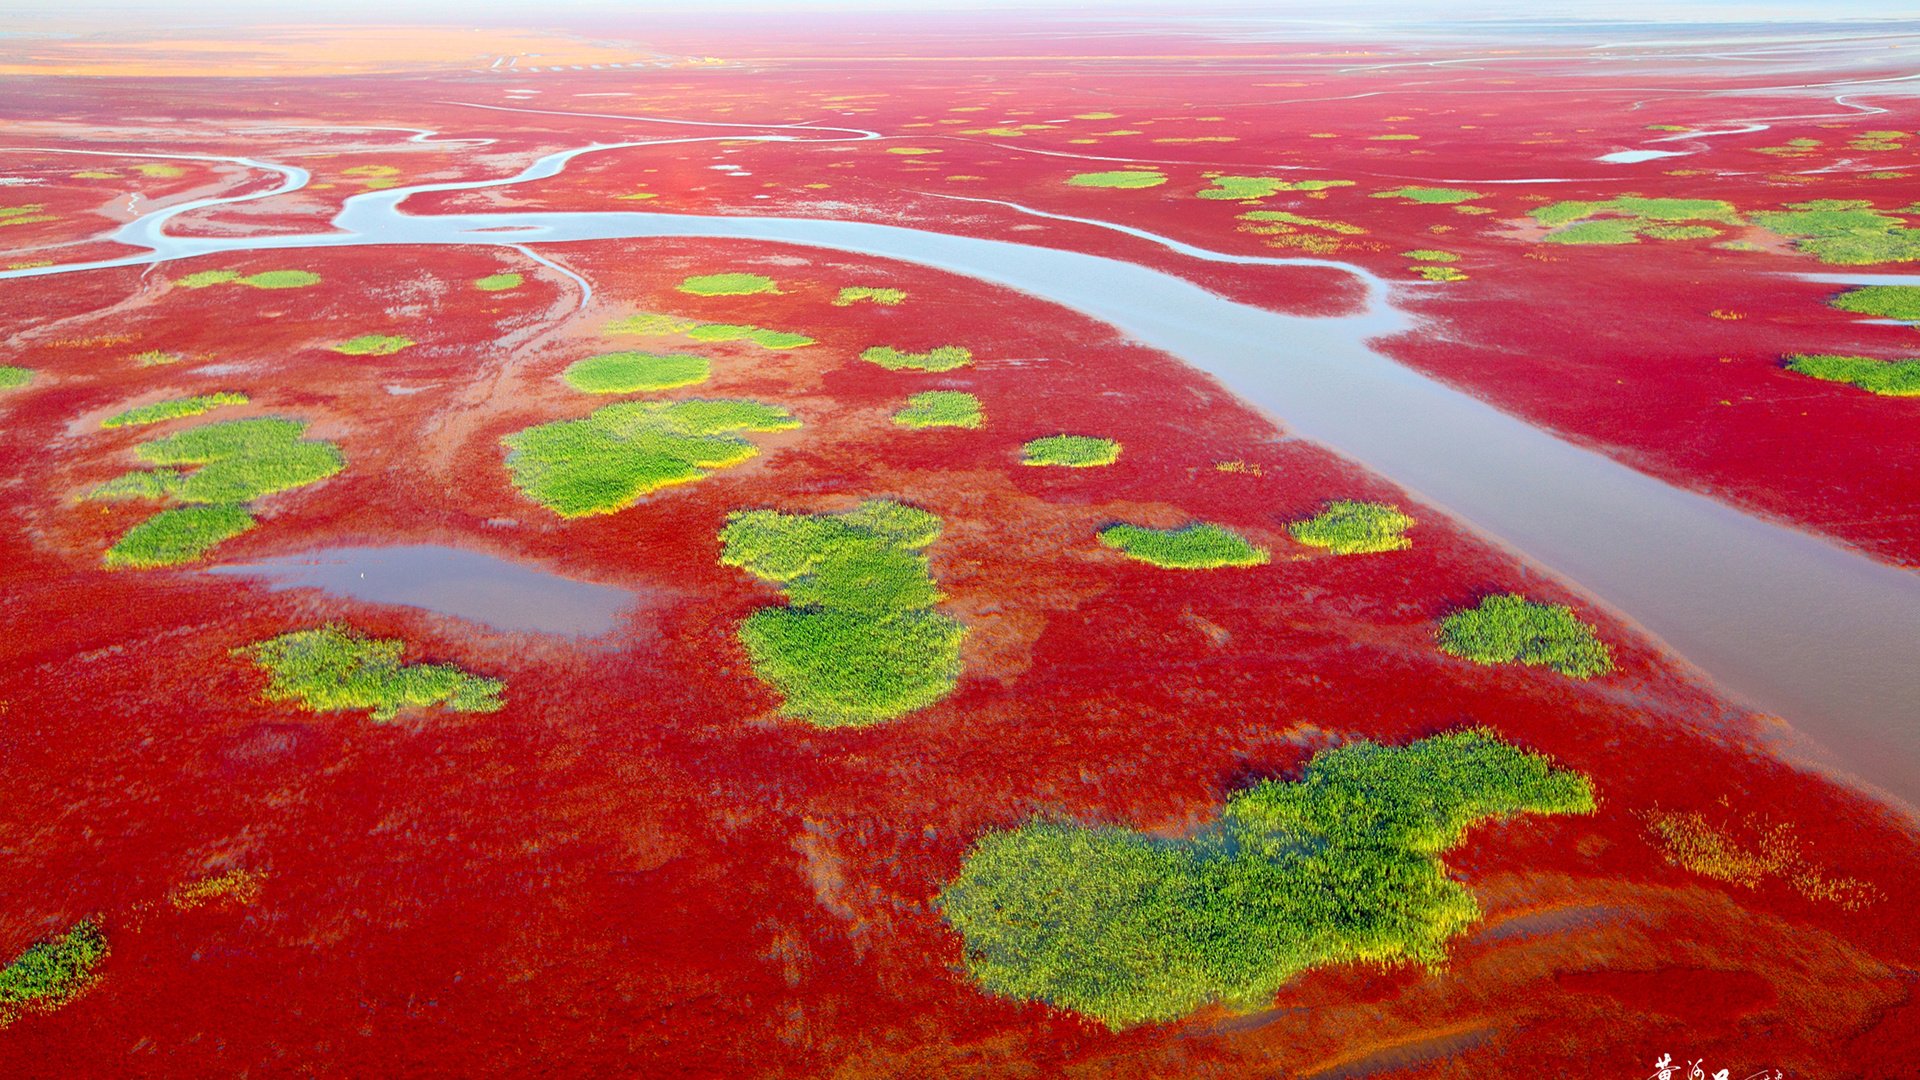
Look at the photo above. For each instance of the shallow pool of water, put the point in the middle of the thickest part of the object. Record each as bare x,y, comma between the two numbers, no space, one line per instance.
471,585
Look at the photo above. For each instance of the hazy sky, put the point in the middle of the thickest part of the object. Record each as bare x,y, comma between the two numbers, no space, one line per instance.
37,14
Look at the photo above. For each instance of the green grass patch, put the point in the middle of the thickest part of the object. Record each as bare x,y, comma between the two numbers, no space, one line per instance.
215,468
332,668
1436,195
1629,218
1440,273
939,358
172,409
1844,232
266,279
1285,218
1338,867
49,974
853,294
233,461
1890,378
1430,255
858,642
373,345
1634,206
728,285
157,358
1260,187
1072,451
647,323
178,535
628,372
1347,527
609,459
500,282
1200,546
1887,301
1511,629
13,378
941,408
1125,180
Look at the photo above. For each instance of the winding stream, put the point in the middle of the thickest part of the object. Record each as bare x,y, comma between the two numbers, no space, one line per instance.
1794,624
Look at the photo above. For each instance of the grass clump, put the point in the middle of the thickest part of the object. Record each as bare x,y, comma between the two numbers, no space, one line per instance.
373,345
1125,180
49,974
178,535
1260,187
940,408
13,378
1347,527
1889,378
699,331
858,642
1511,629
1340,866
1200,546
1072,451
231,463
333,668
266,279
235,461
499,282
1625,220
627,372
1430,255
1844,232
728,285
1691,841
1282,217
173,409
609,459
853,294
157,358
1887,301
1435,195
939,358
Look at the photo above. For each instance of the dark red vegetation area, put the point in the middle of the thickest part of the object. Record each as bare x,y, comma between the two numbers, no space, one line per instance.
638,867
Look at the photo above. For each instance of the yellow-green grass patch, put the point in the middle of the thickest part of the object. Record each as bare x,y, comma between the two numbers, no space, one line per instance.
858,642
1199,546
628,372
1887,301
333,668
48,974
649,323
1511,629
1260,187
1430,255
177,535
1440,196
1341,866
1888,378
938,358
173,409
266,279
853,294
1125,180
607,460
499,282
1072,451
1844,232
13,377
941,408
373,345
728,285
1348,527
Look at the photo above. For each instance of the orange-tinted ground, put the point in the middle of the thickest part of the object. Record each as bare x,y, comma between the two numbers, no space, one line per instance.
637,867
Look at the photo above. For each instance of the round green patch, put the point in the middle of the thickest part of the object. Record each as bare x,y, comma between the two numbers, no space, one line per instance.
629,372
